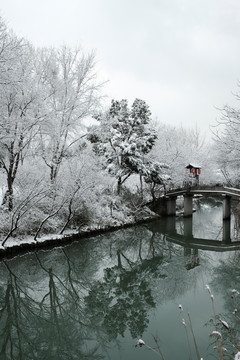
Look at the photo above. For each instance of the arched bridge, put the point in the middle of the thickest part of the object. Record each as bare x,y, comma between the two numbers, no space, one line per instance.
190,192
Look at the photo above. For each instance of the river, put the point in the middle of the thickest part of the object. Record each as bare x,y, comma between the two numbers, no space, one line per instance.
95,298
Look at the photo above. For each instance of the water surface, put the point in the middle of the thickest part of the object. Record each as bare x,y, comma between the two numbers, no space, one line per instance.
94,299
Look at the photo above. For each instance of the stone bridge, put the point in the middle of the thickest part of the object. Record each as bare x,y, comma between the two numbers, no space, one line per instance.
189,192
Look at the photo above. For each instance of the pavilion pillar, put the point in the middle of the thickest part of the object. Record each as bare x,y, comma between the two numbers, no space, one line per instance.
171,206
226,207
188,207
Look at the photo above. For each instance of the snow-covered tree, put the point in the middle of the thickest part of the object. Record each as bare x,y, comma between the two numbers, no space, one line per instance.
155,174
71,94
227,144
124,137
178,147
18,105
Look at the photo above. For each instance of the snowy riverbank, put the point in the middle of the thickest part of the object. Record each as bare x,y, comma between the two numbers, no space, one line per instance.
17,245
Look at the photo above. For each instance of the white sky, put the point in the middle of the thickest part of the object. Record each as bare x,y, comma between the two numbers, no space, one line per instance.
181,56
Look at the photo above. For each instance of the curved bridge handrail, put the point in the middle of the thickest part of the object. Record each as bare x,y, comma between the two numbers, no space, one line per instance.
204,189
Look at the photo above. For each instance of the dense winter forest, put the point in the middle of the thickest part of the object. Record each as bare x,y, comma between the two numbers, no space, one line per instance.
66,161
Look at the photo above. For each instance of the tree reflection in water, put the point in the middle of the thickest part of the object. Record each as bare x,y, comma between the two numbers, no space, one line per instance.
69,303
121,300
48,328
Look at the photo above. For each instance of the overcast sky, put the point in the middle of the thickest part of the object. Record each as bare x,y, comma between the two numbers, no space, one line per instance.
181,56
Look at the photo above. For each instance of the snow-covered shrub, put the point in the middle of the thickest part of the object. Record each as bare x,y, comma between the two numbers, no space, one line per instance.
30,223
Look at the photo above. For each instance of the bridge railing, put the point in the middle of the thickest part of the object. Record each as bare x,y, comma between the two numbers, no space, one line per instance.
204,189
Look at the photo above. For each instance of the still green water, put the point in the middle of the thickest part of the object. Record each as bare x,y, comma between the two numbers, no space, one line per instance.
94,299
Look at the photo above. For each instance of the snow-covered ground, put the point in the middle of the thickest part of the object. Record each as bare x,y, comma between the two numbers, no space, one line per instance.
14,245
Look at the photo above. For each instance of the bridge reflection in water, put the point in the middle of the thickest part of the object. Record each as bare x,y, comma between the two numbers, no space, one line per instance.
187,239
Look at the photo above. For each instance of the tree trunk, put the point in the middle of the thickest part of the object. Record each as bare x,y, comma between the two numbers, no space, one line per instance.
153,192
8,196
119,185
141,186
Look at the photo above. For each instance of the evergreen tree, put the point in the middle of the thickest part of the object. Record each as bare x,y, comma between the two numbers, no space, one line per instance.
124,137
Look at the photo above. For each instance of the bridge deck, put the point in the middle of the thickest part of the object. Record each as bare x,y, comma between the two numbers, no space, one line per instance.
205,190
